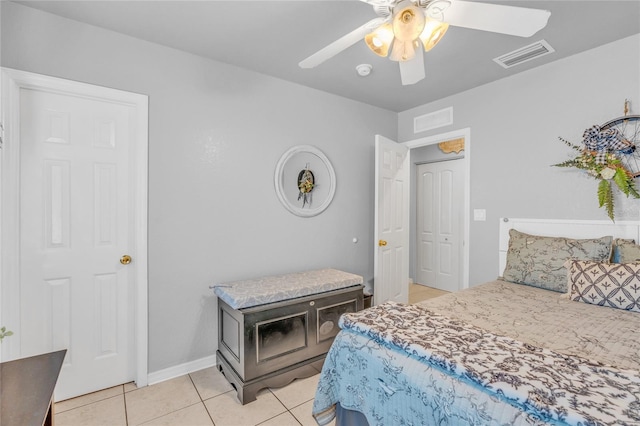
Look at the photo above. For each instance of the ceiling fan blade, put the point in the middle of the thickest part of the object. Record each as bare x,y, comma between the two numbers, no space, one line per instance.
341,44
497,18
412,71
388,3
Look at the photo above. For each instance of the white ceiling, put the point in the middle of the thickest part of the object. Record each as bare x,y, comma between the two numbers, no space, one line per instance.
271,37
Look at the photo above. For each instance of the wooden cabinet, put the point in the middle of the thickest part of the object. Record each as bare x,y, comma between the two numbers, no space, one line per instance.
26,389
271,345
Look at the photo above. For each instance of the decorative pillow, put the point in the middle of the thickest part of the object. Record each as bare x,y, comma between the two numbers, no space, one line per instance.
626,251
538,261
615,285
616,254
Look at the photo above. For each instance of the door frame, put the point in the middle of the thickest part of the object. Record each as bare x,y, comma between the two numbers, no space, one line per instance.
12,82
431,140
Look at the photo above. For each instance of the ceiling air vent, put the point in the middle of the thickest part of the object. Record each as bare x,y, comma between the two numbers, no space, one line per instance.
524,54
433,120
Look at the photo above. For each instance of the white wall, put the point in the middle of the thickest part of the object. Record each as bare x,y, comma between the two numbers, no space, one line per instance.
216,133
515,124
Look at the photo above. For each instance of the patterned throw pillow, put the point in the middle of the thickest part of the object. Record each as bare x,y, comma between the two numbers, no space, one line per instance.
539,261
616,254
627,251
615,285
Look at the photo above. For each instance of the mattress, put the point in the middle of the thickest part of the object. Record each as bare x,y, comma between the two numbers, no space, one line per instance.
392,386
547,319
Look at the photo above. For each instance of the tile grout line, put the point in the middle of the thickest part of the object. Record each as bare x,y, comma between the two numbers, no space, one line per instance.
171,412
287,408
294,416
195,387
182,408
201,400
124,399
88,403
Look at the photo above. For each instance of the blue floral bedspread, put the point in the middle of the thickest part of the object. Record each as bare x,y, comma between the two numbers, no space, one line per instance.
404,365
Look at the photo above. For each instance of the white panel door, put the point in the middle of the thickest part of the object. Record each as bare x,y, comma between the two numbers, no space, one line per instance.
75,224
439,214
391,236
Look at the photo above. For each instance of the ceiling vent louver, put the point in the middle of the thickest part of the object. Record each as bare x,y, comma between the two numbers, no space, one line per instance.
524,54
433,120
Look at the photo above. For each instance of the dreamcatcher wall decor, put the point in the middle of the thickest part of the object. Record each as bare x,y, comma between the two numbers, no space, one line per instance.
306,183
307,192
610,154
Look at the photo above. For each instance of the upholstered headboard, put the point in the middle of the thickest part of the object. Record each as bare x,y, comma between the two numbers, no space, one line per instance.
564,228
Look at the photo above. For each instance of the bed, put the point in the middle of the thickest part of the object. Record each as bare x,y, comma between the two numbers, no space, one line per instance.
501,353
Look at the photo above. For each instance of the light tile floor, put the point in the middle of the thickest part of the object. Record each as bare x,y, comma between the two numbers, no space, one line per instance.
201,398
418,293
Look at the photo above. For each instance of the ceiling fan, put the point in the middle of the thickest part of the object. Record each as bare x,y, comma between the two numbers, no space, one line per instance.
408,28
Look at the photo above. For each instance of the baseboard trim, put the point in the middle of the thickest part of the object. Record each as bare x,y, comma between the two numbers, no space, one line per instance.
181,370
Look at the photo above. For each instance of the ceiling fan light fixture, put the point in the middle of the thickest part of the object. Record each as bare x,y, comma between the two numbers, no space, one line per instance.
408,21
379,41
433,33
403,50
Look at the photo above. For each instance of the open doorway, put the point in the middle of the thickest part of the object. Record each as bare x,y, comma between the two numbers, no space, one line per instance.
426,151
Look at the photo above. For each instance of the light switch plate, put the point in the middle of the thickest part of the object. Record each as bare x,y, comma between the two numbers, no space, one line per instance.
479,215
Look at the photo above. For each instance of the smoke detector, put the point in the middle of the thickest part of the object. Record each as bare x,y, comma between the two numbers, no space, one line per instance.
364,70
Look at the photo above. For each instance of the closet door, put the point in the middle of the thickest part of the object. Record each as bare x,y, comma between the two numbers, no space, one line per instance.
440,193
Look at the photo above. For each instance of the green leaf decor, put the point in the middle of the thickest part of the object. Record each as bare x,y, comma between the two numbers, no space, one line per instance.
605,166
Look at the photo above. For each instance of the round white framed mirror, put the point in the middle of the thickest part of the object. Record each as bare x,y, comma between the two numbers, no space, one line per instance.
305,165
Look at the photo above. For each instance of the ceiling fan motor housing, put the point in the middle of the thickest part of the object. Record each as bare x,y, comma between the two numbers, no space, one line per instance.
408,22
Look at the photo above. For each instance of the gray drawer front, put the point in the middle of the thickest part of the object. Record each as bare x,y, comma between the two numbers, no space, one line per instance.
260,340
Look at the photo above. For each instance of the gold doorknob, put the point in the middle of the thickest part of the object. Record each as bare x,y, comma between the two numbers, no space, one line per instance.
125,260
382,243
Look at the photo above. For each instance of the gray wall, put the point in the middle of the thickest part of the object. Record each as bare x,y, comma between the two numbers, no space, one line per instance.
515,124
216,133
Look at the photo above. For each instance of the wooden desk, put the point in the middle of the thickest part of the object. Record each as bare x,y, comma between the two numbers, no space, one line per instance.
26,389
